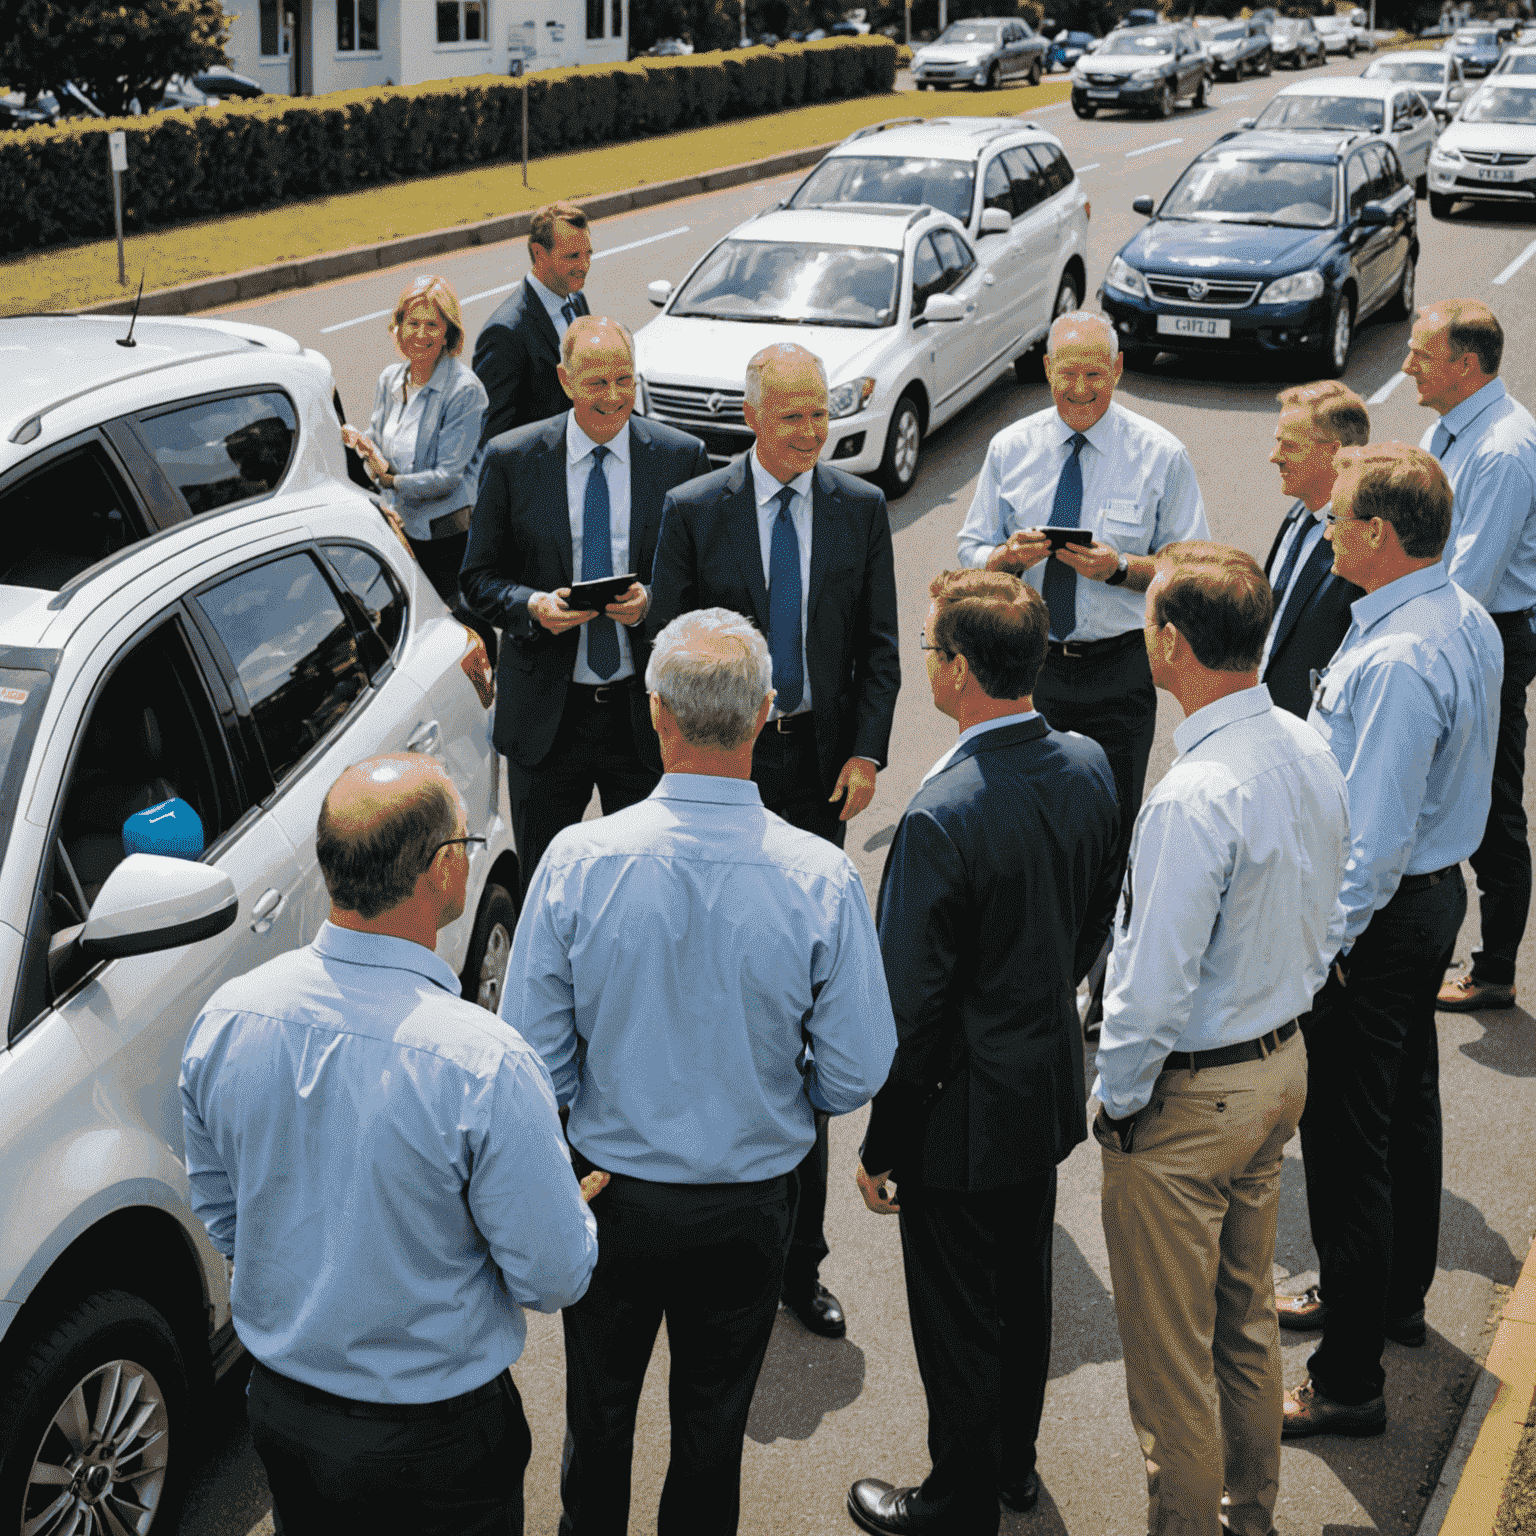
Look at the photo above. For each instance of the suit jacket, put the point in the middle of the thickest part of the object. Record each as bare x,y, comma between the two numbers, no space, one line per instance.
997,894
710,555
1312,624
516,354
520,544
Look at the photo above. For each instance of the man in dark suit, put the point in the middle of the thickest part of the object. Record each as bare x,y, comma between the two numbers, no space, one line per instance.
580,494
518,350
804,550
997,895
1311,603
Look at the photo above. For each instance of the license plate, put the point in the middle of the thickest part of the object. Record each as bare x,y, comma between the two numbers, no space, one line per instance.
1103,95
1494,173
1193,325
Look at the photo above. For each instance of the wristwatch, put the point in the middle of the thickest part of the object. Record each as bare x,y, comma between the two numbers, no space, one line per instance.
1121,571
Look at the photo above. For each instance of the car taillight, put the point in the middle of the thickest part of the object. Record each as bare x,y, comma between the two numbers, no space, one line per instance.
476,666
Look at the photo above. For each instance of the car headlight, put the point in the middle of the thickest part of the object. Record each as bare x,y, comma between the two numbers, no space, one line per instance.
1155,73
1126,278
1443,155
1293,289
1079,75
641,403
845,399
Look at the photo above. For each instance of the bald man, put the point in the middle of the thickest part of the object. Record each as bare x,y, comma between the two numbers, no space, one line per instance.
384,1164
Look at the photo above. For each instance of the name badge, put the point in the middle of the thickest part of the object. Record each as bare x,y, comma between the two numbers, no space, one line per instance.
1122,510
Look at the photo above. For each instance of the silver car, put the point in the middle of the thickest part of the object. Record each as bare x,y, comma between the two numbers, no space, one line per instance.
982,54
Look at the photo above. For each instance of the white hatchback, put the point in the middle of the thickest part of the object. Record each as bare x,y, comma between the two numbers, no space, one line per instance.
1488,153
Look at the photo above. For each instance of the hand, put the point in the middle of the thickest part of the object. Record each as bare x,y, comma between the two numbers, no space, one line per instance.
630,608
594,1184
876,1194
550,610
1022,550
1095,561
857,783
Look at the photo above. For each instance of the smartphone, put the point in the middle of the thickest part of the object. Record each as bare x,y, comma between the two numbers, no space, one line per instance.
1061,537
597,594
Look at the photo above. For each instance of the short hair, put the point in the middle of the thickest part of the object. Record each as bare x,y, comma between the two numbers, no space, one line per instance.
713,699
369,869
584,325
1471,327
997,623
778,352
1404,486
1076,317
438,292
541,227
1217,597
1337,413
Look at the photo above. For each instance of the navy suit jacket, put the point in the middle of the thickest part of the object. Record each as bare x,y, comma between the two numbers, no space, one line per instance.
711,556
1312,624
997,894
516,354
520,544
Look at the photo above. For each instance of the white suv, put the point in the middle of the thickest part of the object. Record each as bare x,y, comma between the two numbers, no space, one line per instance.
194,606
919,261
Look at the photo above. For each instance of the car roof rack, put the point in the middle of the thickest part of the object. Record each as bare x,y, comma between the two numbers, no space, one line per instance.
890,122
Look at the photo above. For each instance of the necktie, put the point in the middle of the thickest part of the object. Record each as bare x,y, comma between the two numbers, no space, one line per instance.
597,560
784,608
1066,512
570,310
1292,555
1442,440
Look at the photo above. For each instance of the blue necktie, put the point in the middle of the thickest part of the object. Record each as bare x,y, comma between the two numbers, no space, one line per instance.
1292,555
784,609
596,561
1442,440
1066,512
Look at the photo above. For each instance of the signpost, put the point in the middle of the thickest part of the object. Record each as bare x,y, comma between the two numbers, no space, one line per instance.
525,132
117,153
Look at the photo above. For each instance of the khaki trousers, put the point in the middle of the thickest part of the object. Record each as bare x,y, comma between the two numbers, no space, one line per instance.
1189,1217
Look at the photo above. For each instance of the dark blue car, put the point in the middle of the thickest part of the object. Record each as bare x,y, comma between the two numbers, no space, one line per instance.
1269,242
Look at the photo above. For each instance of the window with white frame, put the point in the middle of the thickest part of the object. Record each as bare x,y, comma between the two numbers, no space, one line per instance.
274,35
463,21
357,26
594,19
618,19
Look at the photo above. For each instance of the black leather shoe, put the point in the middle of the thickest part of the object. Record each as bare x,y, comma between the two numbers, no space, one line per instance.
819,1310
876,1506
1022,1495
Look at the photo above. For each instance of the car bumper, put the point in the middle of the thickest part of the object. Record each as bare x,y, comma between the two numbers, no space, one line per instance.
950,74
1142,94
855,443
1458,184
1253,328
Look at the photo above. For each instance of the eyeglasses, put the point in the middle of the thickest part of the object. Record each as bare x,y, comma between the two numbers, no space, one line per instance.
1332,518
927,645
452,841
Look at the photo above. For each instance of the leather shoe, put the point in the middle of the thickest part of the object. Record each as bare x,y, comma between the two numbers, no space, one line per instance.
1308,1312
1022,1495
1469,995
1308,1412
876,1506
819,1310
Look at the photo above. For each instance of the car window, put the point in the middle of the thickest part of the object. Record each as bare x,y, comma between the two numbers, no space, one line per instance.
996,191
810,283
1357,184
218,452
294,651
1234,189
1029,187
1054,167
1392,177
955,255
943,184
369,582
62,519
1501,104
927,274
1307,111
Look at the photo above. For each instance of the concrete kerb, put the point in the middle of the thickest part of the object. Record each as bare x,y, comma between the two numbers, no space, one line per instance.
308,271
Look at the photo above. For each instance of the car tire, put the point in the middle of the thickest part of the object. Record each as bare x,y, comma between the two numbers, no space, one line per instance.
1166,101
903,449
1035,73
1401,305
1440,205
1335,350
1028,368
1084,112
1349,48
1199,99
484,976
994,78
1265,64
85,1352
1421,186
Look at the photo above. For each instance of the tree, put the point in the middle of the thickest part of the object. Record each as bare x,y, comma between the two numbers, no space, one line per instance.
115,49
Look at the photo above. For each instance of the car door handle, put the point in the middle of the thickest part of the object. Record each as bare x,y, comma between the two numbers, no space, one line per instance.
268,905
425,738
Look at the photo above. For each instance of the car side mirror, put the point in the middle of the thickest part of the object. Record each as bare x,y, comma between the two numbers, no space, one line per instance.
996,221
1375,213
1143,205
943,308
659,292
1246,122
150,902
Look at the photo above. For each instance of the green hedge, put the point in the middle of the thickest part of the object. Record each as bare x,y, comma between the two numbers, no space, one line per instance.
192,165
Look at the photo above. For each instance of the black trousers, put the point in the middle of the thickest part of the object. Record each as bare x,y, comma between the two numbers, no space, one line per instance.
444,1469
978,1270
708,1258
1371,1133
1503,861
594,747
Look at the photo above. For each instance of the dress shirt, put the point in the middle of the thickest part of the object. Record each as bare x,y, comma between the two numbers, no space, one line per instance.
1139,493
1230,914
1409,706
697,975
765,489
1491,553
977,730
554,305
401,427
383,1162
578,469
1308,527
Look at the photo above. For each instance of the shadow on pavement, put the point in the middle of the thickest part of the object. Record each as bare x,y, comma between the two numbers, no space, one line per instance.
1467,1242
804,1378
1508,1043
1043,1520
1083,1326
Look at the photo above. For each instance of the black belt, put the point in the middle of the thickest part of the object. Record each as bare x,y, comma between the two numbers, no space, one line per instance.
1424,882
398,1412
1076,650
790,725
1230,1055
1517,619
604,693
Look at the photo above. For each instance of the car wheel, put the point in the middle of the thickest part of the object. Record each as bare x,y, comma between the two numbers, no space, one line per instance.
1440,205
490,949
1421,187
993,77
100,1424
1401,307
1265,64
1349,48
1341,327
1034,73
1084,112
903,448
1166,100
1199,96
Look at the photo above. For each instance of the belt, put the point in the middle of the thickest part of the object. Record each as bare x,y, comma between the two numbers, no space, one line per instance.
1081,650
1424,882
398,1412
604,693
1517,619
1230,1055
791,725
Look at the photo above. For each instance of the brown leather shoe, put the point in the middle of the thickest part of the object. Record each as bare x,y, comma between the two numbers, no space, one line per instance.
1469,995
1306,1311
1308,1412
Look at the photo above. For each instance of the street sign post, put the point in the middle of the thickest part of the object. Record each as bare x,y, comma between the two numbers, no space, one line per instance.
117,158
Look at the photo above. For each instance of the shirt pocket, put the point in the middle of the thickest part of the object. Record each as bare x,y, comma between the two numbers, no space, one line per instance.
1125,523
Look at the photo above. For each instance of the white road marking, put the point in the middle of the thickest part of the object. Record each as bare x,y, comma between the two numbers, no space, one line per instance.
1391,384
1096,164
1147,149
1226,99
1515,265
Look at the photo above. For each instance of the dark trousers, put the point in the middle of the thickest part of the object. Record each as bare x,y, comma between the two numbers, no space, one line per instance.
1371,1136
594,747
708,1258
440,560
443,1469
1503,861
978,1271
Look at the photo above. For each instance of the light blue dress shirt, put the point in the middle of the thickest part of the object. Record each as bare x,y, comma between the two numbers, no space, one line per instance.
384,1164
1409,706
765,492
1491,553
1229,915
1139,493
554,305
672,964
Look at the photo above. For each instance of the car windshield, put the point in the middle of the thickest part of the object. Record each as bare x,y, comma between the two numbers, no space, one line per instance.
23,692
1521,64
1285,27
1224,34
942,184
1475,37
969,32
1329,23
1501,104
790,283
1346,112
1138,42
1233,189
1431,70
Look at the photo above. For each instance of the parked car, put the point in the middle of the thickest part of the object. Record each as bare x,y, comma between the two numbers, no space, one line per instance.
669,48
195,606
1236,48
1296,42
1068,48
1488,153
1436,77
981,54
1148,69
1338,34
1268,243
1520,60
225,83
15,113
1143,16
1478,48
846,28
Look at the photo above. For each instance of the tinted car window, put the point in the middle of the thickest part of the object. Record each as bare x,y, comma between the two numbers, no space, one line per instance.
956,256
1343,112
218,452
58,522
382,602
1357,184
760,280
1392,178
1232,189
943,184
1054,166
1029,185
996,192
927,274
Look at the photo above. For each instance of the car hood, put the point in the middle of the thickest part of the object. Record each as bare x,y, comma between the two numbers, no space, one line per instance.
1170,246
716,352
1125,63
1516,138
954,53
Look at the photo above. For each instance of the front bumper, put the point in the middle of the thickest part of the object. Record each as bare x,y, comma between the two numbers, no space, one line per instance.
1253,328
1128,93
855,443
1462,182
950,74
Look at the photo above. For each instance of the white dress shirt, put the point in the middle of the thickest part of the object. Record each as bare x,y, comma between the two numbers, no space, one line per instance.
397,442
553,305
578,470
766,488
1139,493
1309,528
977,730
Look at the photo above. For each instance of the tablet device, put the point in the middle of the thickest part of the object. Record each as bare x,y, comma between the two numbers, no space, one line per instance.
1060,537
599,593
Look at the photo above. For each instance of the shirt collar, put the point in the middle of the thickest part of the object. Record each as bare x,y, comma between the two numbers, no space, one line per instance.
439,369
1242,705
550,299
578,445
707,787
766,486
1460,417
1098,434
1375,606
384,952
1319,516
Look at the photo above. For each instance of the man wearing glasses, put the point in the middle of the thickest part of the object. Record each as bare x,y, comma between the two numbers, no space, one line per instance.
384,1164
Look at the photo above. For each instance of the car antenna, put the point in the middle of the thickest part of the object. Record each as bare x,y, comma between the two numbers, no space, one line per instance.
128,341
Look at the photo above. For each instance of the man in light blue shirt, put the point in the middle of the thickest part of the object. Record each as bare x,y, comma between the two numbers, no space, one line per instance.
700,977
1227,922
1409,707
1486,443
383,1163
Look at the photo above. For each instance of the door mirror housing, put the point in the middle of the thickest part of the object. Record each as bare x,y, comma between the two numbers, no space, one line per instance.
943,308
151,903
995,221
1375,213
659,292
1143,205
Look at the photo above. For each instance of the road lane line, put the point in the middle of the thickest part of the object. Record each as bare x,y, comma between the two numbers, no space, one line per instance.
341,325
1226,99
1147,149
1096,164
1515,265
1386,389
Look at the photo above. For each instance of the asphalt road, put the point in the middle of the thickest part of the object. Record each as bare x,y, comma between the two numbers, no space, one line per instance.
827,1413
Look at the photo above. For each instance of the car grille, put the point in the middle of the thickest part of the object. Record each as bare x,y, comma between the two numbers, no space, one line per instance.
687,406
1214,293
1107,79
1493,157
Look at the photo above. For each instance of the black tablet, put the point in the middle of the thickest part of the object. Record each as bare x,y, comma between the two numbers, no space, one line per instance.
1060,537
597,594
